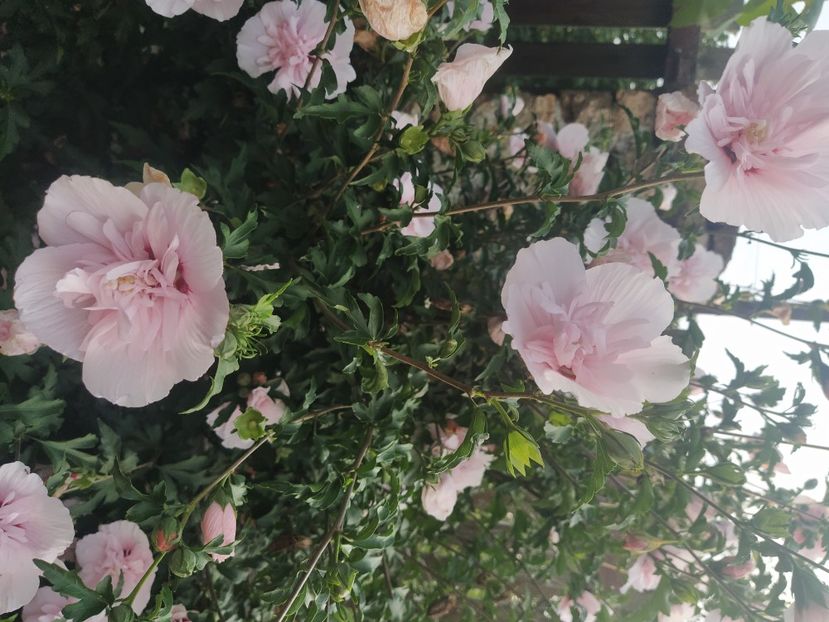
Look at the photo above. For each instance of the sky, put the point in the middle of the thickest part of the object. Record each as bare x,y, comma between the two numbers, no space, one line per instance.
751,264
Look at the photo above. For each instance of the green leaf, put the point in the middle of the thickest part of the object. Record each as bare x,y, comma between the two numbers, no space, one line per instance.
250,425
623,449
236,243
68,583
772,521
225,367
413,139
602,467
520,450
192,183
503,19
727,474
376,378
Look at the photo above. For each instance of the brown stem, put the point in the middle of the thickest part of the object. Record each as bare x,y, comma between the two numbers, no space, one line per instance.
321,413
188,511
761,440
333,530
747,235
709,571
601,196
321,47
437,7
375,145
720,311
737,522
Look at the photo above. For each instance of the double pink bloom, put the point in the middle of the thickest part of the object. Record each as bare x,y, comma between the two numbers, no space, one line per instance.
131,285
692,279
596,333
283,37
765,134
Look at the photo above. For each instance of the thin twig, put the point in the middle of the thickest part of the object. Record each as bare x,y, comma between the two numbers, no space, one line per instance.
709,571
316,414
534,199
747,235
333,530
375,143
188,511
737,522
323,44
761,440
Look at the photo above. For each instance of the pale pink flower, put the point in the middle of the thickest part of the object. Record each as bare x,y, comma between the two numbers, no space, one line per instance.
47,605
220,10
395,20
117,550
737,571
420,227
805,531
272,409
439,500
283,37
14,338
642,575
516,143
571,141
179,614
494,327
553,537
129,285
219,521
588,604
765,134
637,429
33,525
511,105
485,19
669,193
461,81
673,112
644,234
586,332
695,279
404,119
682,612
442,261
717,616
813,612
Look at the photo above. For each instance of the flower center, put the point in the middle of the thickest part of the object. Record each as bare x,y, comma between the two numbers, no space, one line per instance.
11,522
756,132
568,337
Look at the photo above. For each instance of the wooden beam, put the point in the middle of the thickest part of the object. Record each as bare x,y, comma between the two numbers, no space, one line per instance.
595,60
681,58
618,13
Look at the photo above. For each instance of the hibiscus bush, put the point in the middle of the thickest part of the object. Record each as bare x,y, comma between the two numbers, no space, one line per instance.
301,324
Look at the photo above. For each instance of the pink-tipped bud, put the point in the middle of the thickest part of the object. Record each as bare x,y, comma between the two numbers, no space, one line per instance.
636,544
165,536
219,521
179,614
736,571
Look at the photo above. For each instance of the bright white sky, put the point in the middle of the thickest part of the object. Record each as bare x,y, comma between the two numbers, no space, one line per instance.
751,264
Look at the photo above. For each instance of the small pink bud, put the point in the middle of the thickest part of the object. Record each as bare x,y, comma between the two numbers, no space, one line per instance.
219,521
165,536
179,614
737,571
636,544
493,326
442,261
